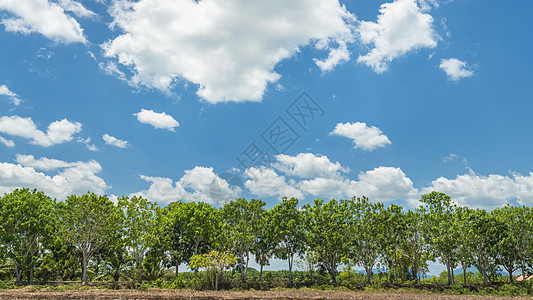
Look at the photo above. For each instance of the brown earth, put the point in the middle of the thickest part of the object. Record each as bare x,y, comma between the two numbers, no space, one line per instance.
28,293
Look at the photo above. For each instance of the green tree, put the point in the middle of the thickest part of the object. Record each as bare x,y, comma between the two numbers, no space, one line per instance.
87,222
394,237
416,247
240,220
484,230
180,245
202,224
465,255
264,245
288,230
509,242
26,220
142,227
214,262
369,229
329,231
444,229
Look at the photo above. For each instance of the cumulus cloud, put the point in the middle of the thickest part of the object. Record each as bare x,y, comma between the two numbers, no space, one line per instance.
197,185
383,184
68,178
42,163
111,68
44,17
229,49
6,142
455,69
400,28
158,120
58,132
317,176
364,137
87,142
76,8
489,192
266,182
308,165
113,141
13,97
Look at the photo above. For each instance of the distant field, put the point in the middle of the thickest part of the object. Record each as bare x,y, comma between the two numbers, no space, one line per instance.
27,293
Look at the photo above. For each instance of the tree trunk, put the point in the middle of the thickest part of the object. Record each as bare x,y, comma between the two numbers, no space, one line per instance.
84,268
484,275
18,273
261,271
395,275
464,274
449,273
452,275
177,268
290,270
369,275
246,268
139,269
216,282
195,253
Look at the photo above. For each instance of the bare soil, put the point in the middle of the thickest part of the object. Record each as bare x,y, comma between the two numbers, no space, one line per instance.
28,293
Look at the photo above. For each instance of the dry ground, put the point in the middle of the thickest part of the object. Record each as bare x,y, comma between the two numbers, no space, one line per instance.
28,293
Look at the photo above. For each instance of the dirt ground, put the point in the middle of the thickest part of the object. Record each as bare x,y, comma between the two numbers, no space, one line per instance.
223,295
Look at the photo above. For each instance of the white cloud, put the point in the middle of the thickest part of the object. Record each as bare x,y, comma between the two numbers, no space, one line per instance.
70,178
113,141
364,137
44,17
228,48
4,91
197,185
383,184
266,182
58,132
308,165
42,163
158,120
335,57
87,142
8,143
489,192
455,69
76,8
400,28
111,68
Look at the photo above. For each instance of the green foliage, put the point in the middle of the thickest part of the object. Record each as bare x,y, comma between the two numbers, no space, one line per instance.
26,221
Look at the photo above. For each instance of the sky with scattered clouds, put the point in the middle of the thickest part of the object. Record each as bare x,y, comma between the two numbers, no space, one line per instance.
209,100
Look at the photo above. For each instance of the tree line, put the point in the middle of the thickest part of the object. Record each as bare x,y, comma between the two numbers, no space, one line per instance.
91,236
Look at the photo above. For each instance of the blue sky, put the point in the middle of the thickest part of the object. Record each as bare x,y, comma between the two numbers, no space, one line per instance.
156,98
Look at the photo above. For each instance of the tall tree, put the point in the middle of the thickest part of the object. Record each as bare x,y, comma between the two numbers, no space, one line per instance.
444,230
394,237
264,244
507,254
26,220
202,224
179,244
240,220
329,229
288,230
485,232
465,255
416,247
142,227
369,229
87,222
